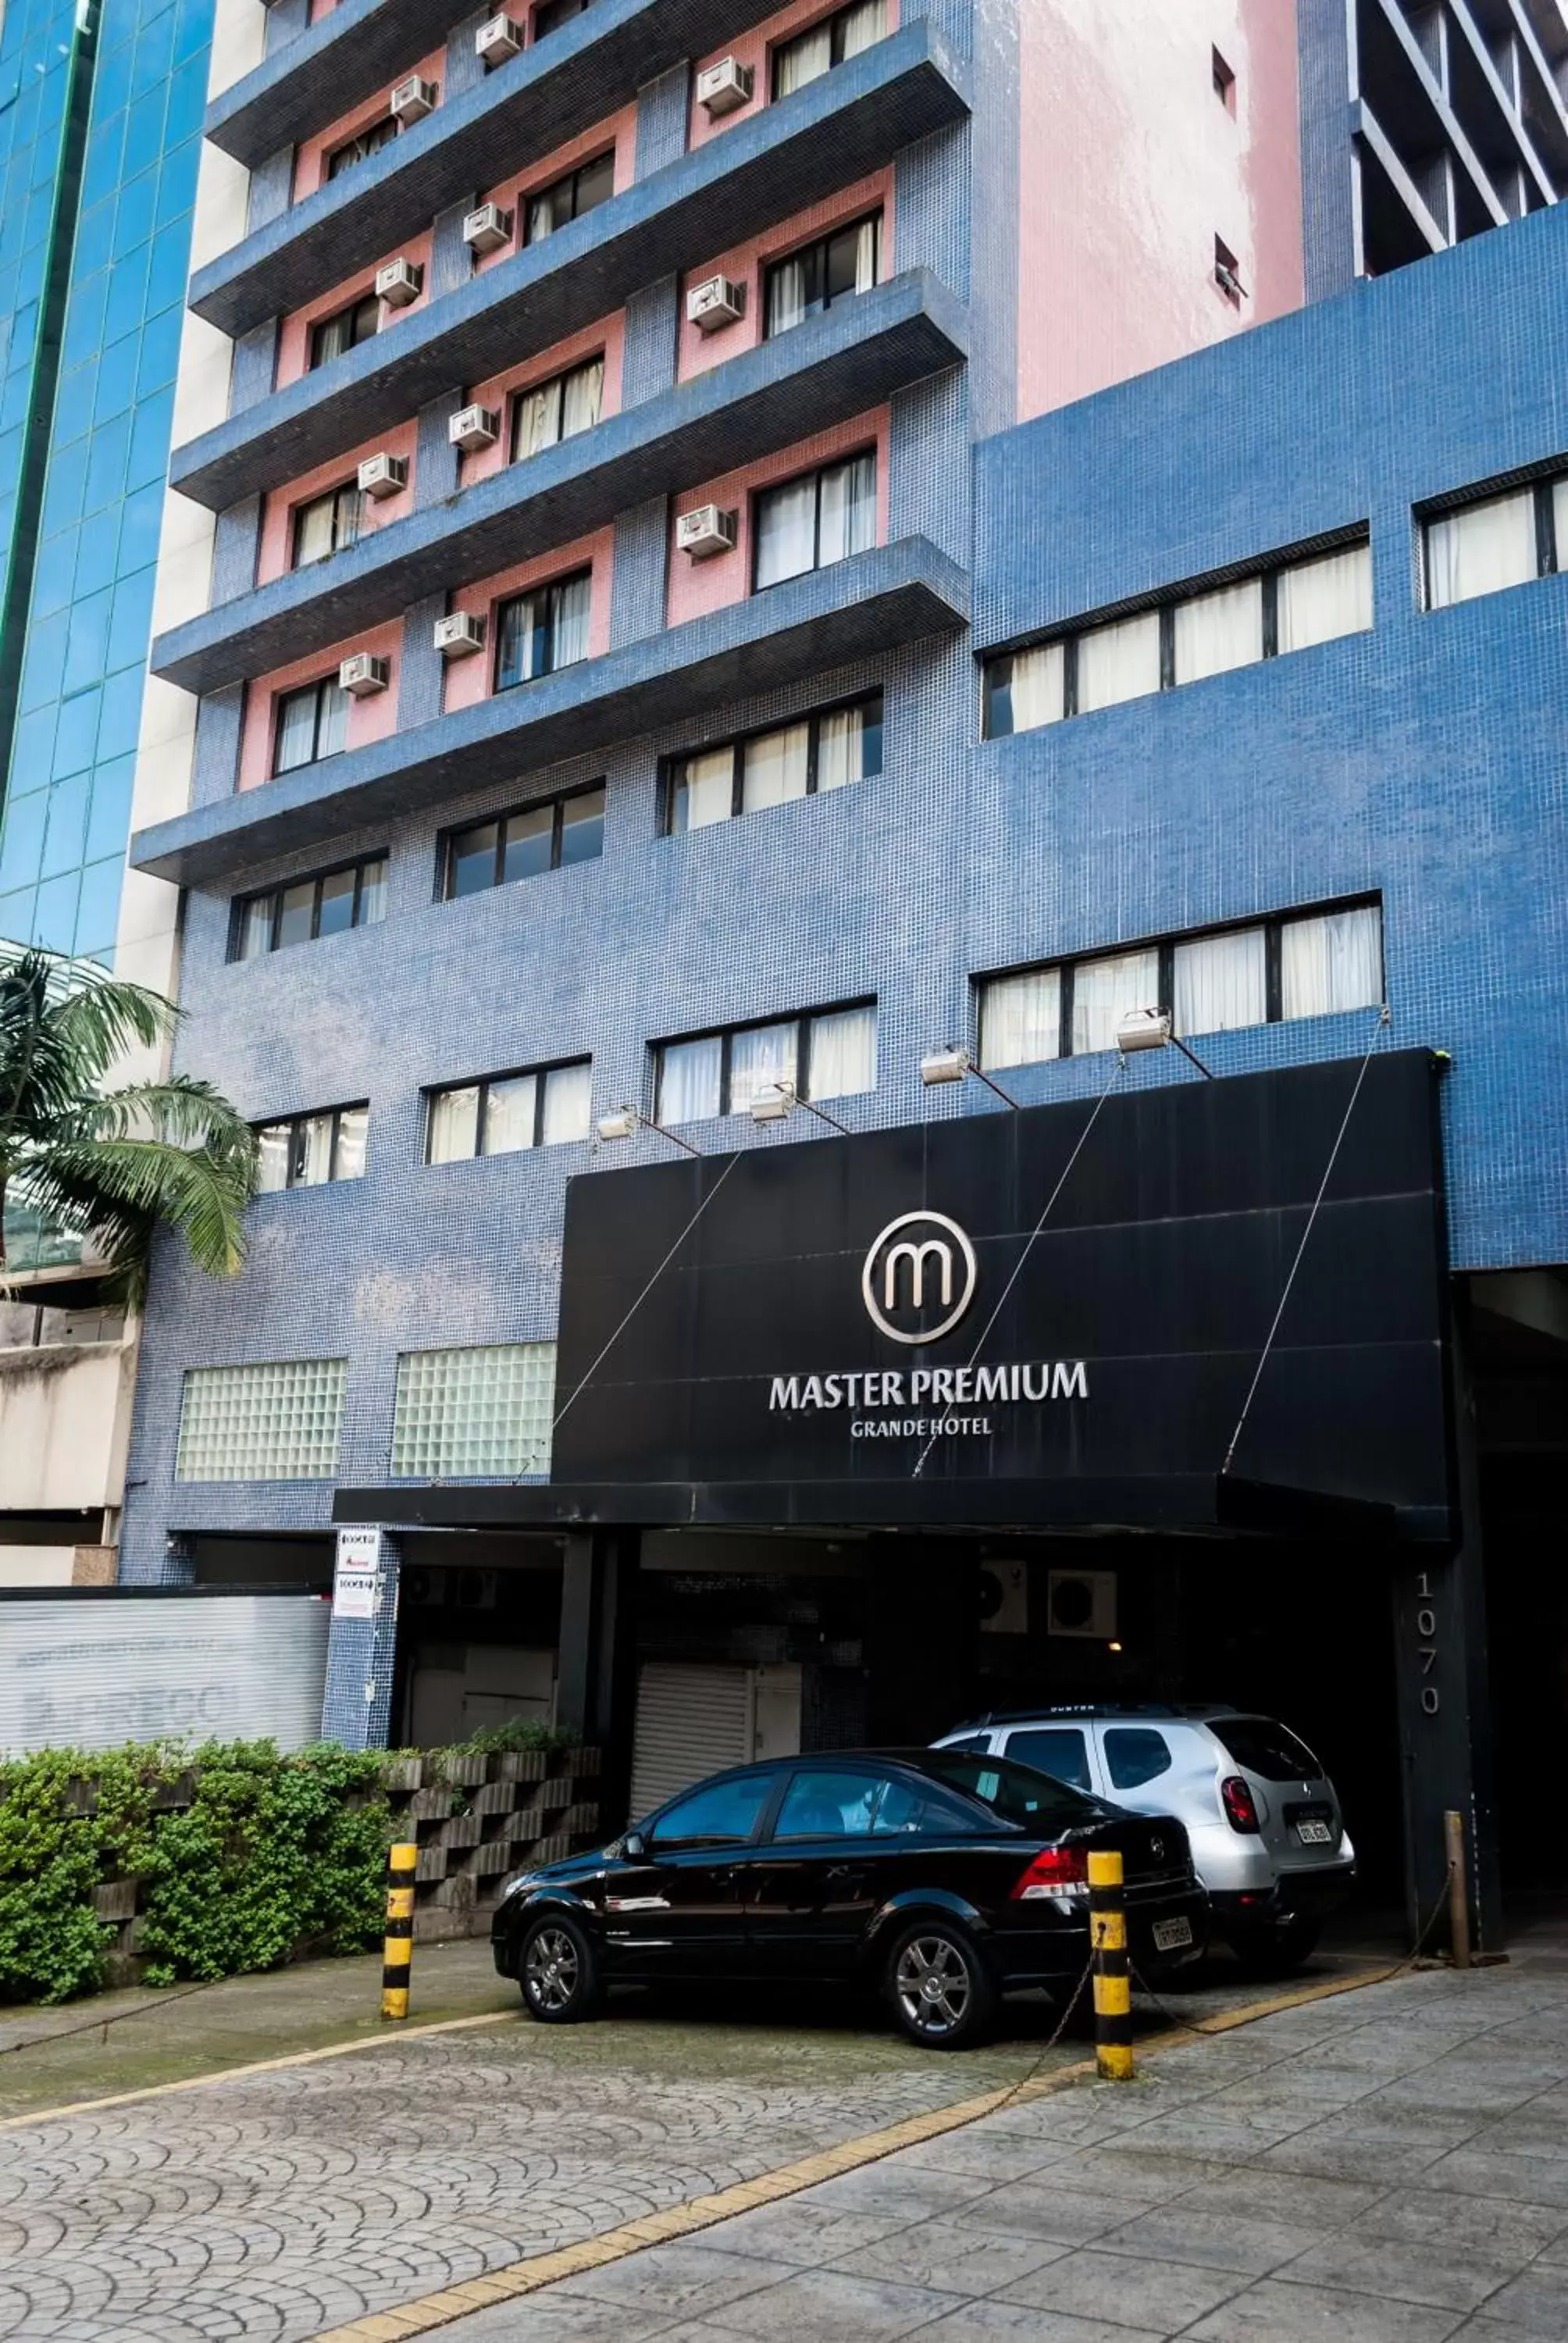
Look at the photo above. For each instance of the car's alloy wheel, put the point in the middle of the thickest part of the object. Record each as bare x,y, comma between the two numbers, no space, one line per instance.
939,1993
560,1973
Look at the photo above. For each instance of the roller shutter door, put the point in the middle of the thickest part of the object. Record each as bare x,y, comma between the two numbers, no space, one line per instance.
690,1721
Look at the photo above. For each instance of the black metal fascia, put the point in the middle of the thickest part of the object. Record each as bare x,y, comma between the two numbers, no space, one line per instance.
839,365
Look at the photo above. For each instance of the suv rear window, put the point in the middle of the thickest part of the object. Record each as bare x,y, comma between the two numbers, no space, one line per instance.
1037,1803
1262,1747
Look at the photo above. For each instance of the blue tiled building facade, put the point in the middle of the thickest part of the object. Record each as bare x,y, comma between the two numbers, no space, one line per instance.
1404,769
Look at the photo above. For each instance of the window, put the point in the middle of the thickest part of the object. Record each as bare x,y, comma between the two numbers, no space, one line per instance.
1228,274
474,1414
1135,1754
1483,548
359,149
311,724
308,1150
906,1809
1018,1792
830,1804
810,280
352,897
551,14
1263,1747
330,336
767,769
508,1112
279,1421
544,629
327,523
1308,964
818,519
725,1815
548,836
568,198
832,42
1059,1750
557,409
1224,81
1288,609
832,1054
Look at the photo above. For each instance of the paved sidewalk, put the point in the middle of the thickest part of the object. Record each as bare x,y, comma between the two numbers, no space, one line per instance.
1390,2166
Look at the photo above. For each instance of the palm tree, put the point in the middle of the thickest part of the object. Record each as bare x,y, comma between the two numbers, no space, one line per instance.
112,1165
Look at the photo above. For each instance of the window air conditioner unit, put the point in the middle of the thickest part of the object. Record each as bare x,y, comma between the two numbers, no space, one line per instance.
400,282
460,635
498,39
722,87
706,531
383,475
487,229
363,674
716,303
474,428
413,99
1082,1603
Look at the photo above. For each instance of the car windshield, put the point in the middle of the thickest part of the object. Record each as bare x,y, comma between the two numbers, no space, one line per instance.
1266,1749
1033,1802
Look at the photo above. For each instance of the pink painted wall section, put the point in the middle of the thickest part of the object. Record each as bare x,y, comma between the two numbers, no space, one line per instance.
368,719
754,48
619,130
745,263
468,681
609,335
294,336
310,155
278,516
1131,165
698,586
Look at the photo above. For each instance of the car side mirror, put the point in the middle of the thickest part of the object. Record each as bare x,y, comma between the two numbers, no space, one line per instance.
634,1847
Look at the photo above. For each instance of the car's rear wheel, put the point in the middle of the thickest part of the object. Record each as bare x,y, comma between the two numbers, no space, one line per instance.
558,1971
938,1986
1275,1952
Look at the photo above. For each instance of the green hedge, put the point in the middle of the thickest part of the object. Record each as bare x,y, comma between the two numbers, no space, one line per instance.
244,1858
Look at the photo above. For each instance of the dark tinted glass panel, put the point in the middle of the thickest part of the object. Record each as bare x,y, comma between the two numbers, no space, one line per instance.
1058,1750
296,913
871,739
552,13
725,1811
1037,1802
830,1804
1134,1754
582,827
527,851
1266,1749
472,861
337,903
595,184
523,649
912,1809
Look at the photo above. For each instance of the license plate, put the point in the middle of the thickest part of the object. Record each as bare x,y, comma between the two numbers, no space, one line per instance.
1169,1935
1314,1833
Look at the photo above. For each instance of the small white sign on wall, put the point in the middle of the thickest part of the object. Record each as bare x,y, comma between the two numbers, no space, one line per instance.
356,1581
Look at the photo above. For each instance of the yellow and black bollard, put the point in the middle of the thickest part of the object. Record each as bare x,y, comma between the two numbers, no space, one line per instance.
397,1950
1112,1980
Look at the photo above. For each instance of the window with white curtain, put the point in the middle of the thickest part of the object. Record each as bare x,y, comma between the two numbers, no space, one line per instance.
833,42
1484,548
311,724
831,1053
306,1150
1305,964
820,274
1287,607
327,524
815,753
543,1107
558,410
811,522
544,629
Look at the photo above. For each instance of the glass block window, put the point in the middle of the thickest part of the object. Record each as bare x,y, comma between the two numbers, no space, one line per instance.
278,1421
474,1414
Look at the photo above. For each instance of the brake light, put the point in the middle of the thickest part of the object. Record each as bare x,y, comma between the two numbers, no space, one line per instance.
1055,1871
1240,1811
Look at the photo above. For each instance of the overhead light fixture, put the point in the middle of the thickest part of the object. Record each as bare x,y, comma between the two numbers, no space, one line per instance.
773,1105
951,1064
1154,1029
626,1122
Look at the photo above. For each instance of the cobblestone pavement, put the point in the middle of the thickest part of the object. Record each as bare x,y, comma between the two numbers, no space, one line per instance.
1390,2166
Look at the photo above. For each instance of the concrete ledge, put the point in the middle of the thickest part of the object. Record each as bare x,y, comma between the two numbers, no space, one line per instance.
872,603
785,158
839,365
310,81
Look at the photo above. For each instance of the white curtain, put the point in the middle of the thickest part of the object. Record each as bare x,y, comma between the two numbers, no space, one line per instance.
539,423
274,1143
1120,662
296,730
372,893
1038,686
1332,963
786,531
315,1151
1481,549
844,1054
705,790
509,1115
1221,981
582,399
688,1080
849,508
333,732
1020,1018
1219,631
804,59
568,1097
868,243
840,747
1103,990
313,531
862,26
775,767
786,296
572,602
454,1124
353,1129
760,1060
255,928
1320,599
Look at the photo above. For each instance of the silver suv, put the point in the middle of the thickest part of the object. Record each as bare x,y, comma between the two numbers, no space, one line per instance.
1268,1839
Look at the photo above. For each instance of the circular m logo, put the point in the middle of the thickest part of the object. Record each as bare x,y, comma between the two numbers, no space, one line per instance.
918,1277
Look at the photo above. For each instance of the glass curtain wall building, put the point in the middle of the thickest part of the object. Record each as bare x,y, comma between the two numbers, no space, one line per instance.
100,140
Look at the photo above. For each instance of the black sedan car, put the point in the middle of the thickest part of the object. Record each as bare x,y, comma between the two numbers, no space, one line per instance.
941,1877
